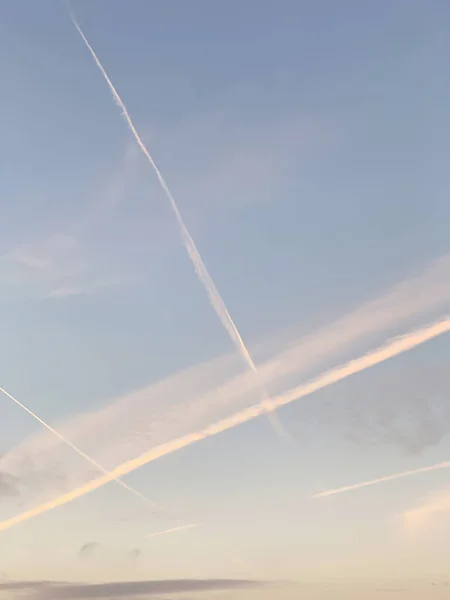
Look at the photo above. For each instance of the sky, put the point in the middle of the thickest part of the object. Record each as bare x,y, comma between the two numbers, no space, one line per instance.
305,145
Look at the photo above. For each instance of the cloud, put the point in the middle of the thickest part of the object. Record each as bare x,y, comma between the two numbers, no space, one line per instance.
48,590
43,261
193,399
8,486
246,162
119,227
87,550
381,354
432,509
135,553
73,261
23,585
407,407
55,266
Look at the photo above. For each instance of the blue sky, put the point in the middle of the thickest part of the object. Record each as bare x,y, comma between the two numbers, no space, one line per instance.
306,146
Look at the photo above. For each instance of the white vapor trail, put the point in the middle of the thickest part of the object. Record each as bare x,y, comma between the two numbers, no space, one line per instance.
171,530
194,397
383,353
202,272
76,449
387,478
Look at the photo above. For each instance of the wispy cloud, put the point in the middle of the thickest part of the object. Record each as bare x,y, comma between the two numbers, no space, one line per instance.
366,361
200,395
162,417
171,530
433,508
67,262
55,266
87,550
117,229
90,550
43,264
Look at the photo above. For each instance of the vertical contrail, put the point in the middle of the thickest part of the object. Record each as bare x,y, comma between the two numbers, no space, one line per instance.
75,448
194,255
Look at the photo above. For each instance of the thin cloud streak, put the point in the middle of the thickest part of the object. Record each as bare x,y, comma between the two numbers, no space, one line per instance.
386,479
171,530
202,272
381,354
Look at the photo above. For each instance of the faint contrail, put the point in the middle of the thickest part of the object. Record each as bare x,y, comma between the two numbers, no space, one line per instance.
171,530
75,448
381,354
202,272
358,486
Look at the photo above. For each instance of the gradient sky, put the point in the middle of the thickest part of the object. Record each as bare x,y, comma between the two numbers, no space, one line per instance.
307,146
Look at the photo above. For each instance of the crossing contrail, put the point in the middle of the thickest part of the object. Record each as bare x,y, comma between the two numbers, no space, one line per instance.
205,278
387,478
381,354
76,449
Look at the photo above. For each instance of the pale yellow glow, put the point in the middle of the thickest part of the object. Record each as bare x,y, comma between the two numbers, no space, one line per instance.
434,507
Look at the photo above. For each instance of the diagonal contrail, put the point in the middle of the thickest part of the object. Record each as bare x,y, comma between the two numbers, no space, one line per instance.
171,530
386,479
381,354
199,266
76,449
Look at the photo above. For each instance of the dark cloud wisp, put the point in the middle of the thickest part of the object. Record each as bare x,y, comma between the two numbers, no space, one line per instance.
87,550
130,589
139,588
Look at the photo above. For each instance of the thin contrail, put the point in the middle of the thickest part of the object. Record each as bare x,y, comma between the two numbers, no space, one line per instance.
75,448
381,354
199,266
171,530
358,486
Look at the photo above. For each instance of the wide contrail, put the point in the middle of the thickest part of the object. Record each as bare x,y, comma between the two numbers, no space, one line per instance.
381,354
387,478
75,448
199,266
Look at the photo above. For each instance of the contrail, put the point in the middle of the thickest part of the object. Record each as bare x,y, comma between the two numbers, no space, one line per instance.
76,449
199,266
381,354
171,530
358,486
